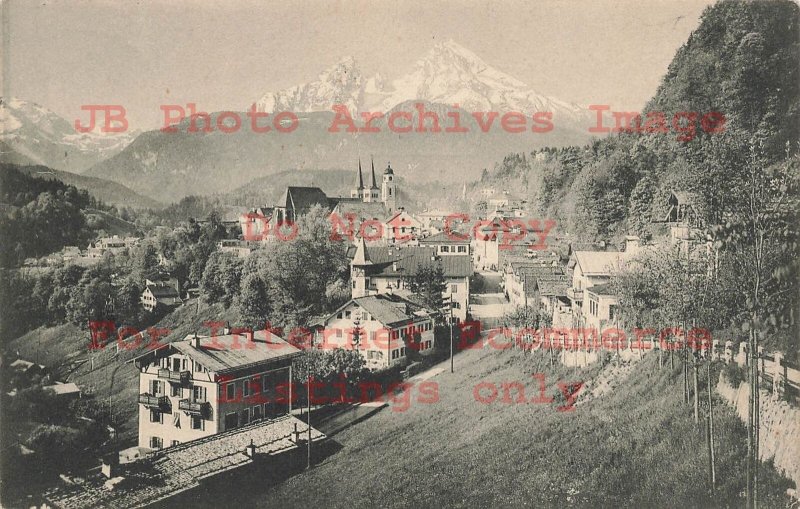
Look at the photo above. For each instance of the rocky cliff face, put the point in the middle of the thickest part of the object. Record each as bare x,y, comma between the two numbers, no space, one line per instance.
779,438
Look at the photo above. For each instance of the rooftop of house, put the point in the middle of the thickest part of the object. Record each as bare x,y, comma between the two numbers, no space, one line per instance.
604,289
548,286
599,263
163,290
23,365
362,211
180,468
390,309
396,262
63,389
445,238
227,352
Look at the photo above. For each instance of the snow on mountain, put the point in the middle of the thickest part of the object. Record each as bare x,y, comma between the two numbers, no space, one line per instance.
448,74
340,84
451,74
34,133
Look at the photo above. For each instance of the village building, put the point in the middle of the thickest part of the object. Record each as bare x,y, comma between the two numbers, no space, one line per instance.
519,280
205,385
67,391
600,308
384,329
160,293
377,270
365,203
447,245
114,244
402,229
178,475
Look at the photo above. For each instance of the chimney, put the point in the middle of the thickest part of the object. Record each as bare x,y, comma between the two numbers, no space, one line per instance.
110,465
250,450
632,244
195,341
394,266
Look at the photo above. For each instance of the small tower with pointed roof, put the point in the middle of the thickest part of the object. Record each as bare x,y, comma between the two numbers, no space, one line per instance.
358,190
358,270
389,190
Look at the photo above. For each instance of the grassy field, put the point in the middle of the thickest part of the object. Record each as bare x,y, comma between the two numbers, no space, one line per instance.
635,446
108,374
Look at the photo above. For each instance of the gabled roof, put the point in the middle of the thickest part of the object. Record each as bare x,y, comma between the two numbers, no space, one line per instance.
387,309
163,291
383,310
599,263
301,199
444,238
362,211
62,389
394,262
229,352
548,286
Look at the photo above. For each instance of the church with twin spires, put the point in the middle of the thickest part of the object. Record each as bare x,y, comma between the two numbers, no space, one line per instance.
363,204
386,194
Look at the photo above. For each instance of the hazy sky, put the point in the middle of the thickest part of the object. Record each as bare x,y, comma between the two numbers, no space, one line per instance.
226,54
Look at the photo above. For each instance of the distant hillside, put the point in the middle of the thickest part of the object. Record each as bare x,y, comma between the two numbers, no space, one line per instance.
104,190
168,166
741,62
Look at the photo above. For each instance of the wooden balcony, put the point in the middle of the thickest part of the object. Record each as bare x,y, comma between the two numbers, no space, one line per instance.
153,401
194,407
575,295
181,377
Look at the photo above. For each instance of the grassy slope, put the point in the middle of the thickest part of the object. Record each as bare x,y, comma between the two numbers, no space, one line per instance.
64,349
634,447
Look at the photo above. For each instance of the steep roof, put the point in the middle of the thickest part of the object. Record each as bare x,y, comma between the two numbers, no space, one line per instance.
394,262
548,286
163,291
373,185
359,178
301,199
385,311
599,263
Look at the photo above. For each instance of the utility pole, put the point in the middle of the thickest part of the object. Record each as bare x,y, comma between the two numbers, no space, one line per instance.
711,459
308,445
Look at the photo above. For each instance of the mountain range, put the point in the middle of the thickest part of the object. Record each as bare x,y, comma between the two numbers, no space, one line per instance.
448,79
32,134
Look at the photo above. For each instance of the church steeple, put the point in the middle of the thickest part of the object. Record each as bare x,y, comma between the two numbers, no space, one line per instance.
358,190
374,184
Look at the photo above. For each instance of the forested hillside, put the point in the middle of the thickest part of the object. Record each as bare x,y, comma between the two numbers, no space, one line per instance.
742,62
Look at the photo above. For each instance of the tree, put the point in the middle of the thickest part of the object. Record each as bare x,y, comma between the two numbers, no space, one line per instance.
428,282
253,302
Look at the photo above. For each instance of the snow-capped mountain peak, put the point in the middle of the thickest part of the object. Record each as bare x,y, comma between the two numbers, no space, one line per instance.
447,74
340,84
41,136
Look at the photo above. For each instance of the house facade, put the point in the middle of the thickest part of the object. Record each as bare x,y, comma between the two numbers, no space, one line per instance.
380,270
385,329
205,385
